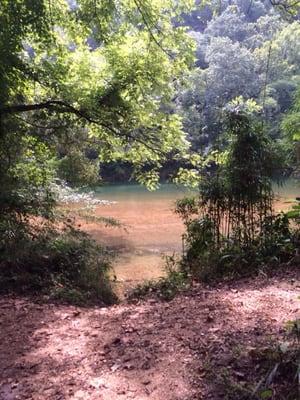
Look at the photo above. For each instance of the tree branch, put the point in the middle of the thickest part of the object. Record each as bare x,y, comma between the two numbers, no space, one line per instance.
285,4
63,107
138,6
55,105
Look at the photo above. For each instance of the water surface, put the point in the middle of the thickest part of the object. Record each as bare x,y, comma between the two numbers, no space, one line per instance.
151,229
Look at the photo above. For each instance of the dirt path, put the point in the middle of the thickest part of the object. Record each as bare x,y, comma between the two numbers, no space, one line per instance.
149,350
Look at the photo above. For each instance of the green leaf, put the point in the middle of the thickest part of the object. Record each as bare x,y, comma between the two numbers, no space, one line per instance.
266,394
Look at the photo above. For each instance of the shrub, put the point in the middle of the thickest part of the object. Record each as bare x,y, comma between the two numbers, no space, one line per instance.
37,253
166,287
231,228
63,264
77,170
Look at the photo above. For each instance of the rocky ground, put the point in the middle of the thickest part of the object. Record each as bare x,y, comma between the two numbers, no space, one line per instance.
203,344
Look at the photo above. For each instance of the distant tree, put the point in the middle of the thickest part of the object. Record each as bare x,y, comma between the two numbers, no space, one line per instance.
282,54
230,24
264,29
284,94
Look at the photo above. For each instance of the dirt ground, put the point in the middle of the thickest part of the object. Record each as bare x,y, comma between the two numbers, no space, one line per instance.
150,350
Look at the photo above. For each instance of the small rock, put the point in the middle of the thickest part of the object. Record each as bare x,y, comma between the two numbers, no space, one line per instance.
239,374
115,367
129,367
213,330
76,313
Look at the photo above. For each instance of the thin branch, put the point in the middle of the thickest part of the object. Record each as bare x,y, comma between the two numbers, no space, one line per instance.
286,5
55,105
150,29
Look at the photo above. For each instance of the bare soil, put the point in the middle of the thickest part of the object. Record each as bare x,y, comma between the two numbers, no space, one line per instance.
181,350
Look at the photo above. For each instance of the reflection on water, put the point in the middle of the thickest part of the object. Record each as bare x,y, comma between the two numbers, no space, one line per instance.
152,228
137,193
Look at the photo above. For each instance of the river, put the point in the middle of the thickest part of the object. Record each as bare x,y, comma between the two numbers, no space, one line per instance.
150,227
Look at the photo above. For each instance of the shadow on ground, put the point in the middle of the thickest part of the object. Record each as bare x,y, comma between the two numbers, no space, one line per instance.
198,346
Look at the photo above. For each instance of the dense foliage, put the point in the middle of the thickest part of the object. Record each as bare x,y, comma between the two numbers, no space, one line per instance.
94,75
246,49
81,82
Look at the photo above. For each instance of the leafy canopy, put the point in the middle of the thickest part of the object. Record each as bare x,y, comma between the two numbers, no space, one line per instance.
104,66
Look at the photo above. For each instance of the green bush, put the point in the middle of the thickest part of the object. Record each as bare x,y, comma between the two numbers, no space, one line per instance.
231,228
209,261
166,287
37,254
63,264
77,170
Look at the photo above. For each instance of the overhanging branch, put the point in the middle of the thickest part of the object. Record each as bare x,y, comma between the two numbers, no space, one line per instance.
54,105
63,107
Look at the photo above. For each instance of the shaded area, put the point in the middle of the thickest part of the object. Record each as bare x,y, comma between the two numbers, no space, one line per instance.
149,350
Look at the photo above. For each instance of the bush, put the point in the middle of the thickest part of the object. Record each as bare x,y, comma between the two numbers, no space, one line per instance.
63,264
231,228
77,170
207,260
166,287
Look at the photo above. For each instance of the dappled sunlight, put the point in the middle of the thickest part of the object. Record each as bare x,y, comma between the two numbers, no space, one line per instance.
149,199
151,350
256,298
